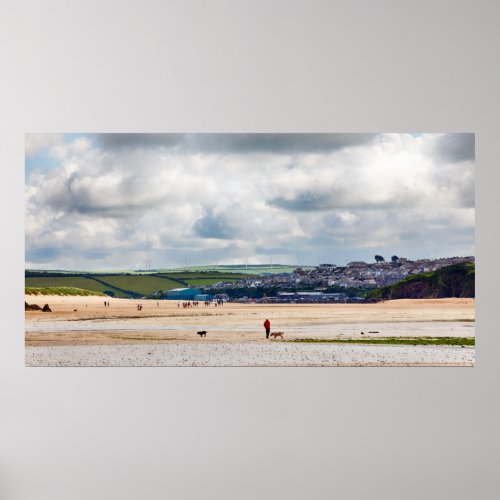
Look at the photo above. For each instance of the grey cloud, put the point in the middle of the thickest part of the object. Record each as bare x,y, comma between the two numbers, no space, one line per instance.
42,254
73,195
213,226
455,148
96,253
128,141
410,235
274,251
467,196
236,143
308,201
196,255
278,143
303,202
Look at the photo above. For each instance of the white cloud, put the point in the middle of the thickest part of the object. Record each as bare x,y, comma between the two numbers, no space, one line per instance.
113,206
36,143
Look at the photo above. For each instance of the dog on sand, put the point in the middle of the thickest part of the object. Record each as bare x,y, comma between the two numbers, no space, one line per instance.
203,333
276,335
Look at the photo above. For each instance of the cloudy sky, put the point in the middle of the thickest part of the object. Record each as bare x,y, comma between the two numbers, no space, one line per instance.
126,201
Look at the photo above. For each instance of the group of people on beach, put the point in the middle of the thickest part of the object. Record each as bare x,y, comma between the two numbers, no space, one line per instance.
185,305
188,305
195,303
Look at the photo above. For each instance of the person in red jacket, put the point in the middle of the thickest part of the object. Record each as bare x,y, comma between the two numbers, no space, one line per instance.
267,326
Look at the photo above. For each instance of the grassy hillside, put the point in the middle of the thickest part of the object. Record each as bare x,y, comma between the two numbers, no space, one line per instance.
207,281
195,275
141,284
61,290
451,281
127,285
70,281
238,269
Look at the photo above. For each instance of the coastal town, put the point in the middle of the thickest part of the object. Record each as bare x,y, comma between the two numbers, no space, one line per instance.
331,282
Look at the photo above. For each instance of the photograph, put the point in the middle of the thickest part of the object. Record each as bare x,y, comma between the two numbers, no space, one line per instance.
247,234
250,249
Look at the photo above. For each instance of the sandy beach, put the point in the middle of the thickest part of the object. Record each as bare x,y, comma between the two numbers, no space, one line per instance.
244,354
81,331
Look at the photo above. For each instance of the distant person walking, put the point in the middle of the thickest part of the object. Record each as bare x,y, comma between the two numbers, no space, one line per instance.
267,326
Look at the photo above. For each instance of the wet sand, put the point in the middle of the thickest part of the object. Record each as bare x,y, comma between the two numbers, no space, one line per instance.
81,331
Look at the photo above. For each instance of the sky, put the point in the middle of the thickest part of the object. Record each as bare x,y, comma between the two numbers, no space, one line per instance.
133,201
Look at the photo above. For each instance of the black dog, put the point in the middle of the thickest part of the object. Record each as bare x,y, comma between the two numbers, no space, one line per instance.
202,333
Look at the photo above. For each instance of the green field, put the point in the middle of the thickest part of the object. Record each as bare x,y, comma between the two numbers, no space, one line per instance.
203,278
116,285
207,281
142,284
70,281
190,275
237,268
129,285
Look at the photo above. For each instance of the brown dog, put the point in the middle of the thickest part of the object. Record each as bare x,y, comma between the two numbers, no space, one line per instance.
276,335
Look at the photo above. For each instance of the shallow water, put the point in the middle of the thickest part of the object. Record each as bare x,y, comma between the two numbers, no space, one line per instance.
316,330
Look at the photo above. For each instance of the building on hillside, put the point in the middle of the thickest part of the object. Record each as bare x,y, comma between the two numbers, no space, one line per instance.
203,297
357,264
326,267
183,293
311,296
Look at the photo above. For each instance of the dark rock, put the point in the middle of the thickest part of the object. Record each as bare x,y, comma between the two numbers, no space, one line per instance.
32,307
46,308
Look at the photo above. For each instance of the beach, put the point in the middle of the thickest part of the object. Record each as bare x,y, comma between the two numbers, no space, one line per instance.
82,331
